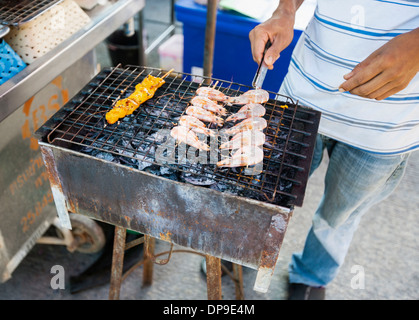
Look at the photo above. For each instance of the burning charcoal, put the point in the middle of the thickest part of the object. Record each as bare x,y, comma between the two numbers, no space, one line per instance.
252,194
143,164
166,171
196,175
101,123
276,155
176,118
285,186
158,112
198,180
173,177
153,169
106,156
92,134
86,149
143,161
145,155
219,186
126,124
268,145
92,149
256,180
137,139
171,102
226,187
160,136
128,118
275,120
128,161
125,149
106,142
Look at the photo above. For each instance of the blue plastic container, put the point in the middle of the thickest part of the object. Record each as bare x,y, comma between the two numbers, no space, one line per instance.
10,62
232,53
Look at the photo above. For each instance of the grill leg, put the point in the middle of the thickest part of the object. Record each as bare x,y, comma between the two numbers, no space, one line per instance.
117,263
238,277
213,278
148,263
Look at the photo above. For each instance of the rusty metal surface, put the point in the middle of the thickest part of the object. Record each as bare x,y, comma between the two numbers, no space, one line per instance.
208,221
56,190
117,263
214,291
270,252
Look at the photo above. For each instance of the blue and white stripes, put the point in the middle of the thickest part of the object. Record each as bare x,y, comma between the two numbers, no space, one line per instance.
335,41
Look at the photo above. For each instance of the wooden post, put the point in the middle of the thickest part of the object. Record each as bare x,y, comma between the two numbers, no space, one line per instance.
210,38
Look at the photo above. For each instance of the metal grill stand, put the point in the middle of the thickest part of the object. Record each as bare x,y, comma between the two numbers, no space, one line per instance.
246,229
213,267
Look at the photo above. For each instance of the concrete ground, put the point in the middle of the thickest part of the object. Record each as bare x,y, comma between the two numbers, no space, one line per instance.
385,247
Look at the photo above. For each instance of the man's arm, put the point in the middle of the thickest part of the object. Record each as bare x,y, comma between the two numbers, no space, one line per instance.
279,29
387,70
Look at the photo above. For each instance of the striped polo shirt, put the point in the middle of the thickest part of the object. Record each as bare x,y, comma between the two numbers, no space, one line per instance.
341,34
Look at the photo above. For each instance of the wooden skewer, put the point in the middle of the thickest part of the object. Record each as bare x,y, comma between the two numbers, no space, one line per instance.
167,73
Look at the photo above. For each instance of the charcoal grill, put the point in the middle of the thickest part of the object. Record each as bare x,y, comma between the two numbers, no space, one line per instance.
113,173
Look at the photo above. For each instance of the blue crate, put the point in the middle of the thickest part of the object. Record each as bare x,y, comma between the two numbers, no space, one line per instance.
232,53
10,62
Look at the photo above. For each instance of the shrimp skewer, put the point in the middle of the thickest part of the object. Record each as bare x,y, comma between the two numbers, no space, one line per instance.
212,94
245,156
204,115
248,111
195,125
257,123
251,96
187,136
245,138
208,104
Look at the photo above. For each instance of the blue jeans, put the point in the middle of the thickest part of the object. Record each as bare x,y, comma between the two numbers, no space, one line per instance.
355,180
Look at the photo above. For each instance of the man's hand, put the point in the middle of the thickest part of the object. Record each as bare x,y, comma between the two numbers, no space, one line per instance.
387,70
279,29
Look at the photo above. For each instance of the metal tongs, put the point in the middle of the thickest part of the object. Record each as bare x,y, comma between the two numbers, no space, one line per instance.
262,69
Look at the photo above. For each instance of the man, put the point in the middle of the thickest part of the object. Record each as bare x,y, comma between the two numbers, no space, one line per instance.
357,62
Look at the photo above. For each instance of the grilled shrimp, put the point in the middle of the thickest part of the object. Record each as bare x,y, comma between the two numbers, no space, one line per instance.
204,115
208,104
245,156
195,125
251,96
245,138
189,137
248,111
211,93
256,123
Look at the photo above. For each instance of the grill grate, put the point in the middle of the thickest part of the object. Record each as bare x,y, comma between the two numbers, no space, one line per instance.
18,12
81,126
